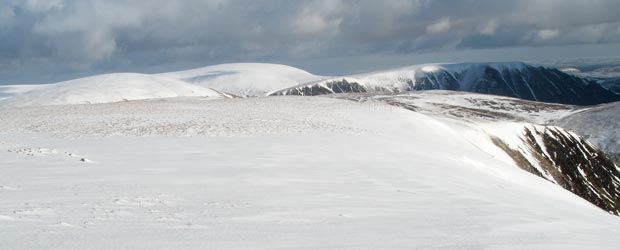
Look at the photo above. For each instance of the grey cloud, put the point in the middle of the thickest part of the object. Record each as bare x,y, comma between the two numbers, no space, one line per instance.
64,36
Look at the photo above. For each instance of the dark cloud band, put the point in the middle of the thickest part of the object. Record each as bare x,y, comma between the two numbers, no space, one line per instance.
72,35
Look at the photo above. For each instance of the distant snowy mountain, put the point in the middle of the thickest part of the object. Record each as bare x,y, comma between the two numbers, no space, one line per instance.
604,72
506,79
245,79
259,79
102,89
608,77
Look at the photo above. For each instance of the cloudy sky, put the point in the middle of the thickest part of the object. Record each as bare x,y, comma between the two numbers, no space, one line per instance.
48,40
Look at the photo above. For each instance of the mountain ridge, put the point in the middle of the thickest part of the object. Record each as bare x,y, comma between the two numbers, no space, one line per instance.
514,79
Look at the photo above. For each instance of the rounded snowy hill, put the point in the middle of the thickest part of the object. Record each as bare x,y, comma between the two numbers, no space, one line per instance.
245,79
103,89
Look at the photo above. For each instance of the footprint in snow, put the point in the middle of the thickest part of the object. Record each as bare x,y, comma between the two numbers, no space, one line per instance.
38,152
34,211
80,158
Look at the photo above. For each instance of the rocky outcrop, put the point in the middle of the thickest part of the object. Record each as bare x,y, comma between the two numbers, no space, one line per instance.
566,159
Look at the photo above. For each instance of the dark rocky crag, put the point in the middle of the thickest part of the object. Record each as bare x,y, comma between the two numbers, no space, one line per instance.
572,163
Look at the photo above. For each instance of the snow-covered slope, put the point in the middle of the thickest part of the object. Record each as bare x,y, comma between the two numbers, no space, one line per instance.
512,79
273,173
550,152
245,79
102,89
470,106
600,125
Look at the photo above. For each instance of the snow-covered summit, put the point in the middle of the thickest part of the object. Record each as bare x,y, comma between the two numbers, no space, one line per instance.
245,79
103,89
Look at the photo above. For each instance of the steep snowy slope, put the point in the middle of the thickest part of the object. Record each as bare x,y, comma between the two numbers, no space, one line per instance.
564,158
506,79
273,173
552,153
245,79
600,125
102,89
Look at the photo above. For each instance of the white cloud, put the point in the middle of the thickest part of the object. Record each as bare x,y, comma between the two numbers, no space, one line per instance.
314,23
318,17
547,34
489,28
150,32
438,27
87,31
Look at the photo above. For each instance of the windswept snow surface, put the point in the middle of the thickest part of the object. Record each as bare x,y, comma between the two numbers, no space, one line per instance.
272,173
245,79
101,89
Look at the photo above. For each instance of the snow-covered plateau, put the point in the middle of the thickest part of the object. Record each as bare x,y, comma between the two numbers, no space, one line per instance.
137,161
